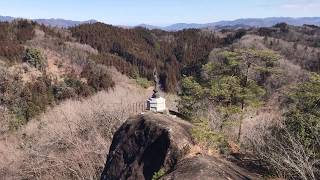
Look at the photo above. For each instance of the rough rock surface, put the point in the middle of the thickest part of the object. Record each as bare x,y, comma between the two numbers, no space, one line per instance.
146,143
207,168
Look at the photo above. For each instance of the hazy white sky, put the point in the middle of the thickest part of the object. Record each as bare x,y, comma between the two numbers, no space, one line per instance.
158,12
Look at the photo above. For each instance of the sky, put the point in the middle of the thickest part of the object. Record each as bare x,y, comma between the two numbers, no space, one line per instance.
158,12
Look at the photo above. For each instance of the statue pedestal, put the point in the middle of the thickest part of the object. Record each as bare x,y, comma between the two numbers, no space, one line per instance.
156,104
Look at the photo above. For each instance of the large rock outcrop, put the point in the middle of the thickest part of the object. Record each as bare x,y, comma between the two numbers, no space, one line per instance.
147,143
144,144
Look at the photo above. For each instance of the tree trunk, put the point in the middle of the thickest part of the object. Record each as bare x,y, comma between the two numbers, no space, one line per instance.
240,125
242,102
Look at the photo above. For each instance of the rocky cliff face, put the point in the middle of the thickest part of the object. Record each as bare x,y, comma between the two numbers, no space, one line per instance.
147,143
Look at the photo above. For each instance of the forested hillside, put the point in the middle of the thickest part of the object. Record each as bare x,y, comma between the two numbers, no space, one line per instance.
139,51
259,100
39,70
184,52
252,95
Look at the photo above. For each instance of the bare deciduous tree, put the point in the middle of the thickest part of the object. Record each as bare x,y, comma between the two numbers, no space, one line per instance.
285,154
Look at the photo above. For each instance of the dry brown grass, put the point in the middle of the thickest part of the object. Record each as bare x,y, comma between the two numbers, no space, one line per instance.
259,120
62,57
201,149
66,53
5,118
71,140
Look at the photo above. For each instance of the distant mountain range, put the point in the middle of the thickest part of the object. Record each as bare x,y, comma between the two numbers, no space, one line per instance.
62,23
239,23
249,22
6,18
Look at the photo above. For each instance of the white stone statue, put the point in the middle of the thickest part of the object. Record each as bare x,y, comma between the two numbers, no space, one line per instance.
156,103
156,93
